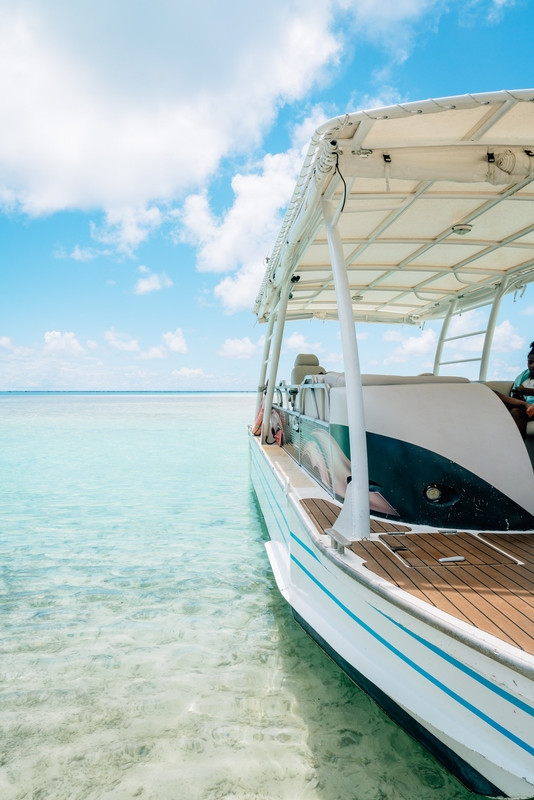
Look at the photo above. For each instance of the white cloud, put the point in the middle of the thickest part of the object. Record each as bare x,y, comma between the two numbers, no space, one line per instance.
332,358
393,335
124,229
62,343
528,311
189,373
121,122
497,8
412,346
153,352
111,282
506,338
7,344
241,238
175,341
297,341
91,344
152,283
387,96
469,322
121,341
502,370
128,111
82,254
239,348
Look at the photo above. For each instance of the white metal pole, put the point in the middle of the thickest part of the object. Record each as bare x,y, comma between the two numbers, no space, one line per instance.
490,330
359,492
275,355
443,334
266,350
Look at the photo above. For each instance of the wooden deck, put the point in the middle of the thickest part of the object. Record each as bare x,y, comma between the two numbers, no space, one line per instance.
492,588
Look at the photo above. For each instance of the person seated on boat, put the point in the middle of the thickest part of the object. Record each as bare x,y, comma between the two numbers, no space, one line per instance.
521,401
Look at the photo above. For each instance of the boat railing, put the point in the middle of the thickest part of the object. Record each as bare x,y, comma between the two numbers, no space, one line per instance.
301,431
289,393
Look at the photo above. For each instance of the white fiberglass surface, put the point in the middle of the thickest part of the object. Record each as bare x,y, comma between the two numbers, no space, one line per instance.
145,650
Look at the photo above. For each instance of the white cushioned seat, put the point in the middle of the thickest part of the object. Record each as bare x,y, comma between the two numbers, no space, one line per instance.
504,387
306,364
396,380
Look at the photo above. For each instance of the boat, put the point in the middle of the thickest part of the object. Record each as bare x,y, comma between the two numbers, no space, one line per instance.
400,508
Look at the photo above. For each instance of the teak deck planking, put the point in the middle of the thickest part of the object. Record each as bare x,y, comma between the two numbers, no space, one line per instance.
490,589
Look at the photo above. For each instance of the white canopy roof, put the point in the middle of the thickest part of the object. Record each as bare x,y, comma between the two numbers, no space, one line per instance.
402,178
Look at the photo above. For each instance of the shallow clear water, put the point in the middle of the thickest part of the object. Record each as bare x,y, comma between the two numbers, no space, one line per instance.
145,651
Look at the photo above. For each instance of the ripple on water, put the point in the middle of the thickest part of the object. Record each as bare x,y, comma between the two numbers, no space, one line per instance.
145,651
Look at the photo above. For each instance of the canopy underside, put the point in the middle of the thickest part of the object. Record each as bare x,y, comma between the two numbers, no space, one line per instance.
400,181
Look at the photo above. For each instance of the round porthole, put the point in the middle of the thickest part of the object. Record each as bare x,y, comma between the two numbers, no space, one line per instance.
433,494
441,495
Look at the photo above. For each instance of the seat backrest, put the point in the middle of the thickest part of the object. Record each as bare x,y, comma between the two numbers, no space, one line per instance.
504,387
396,380
306,364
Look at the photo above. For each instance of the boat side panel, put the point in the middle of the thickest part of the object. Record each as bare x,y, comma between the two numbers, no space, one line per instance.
470,777
420,672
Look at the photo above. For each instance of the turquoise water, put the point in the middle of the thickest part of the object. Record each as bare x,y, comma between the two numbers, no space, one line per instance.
145,651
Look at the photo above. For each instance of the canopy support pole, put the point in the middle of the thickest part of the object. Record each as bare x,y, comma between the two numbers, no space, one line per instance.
266,351
488,341
358,525
443,334
275,355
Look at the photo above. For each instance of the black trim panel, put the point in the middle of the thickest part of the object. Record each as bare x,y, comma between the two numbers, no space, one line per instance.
464,772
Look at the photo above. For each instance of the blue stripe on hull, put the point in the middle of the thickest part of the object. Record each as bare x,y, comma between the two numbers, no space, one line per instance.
465,773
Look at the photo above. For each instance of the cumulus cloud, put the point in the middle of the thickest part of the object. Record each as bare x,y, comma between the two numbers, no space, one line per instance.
152,282
6,343
175,341
332,358
297,341
82,254
91,344
123,128
121,341
153,352
62,343
502,370
124,229
421,345
506,339
186,373
120,120
242,237
238,348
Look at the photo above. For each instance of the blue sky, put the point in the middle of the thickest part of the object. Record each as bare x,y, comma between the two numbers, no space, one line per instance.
147,152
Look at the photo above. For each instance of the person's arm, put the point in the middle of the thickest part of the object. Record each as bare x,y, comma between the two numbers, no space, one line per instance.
517,388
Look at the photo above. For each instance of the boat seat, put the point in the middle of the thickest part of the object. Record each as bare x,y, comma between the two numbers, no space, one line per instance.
505,387
396,380
306,364
336,380
319,406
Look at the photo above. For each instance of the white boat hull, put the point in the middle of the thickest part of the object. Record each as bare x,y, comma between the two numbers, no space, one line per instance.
474,713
